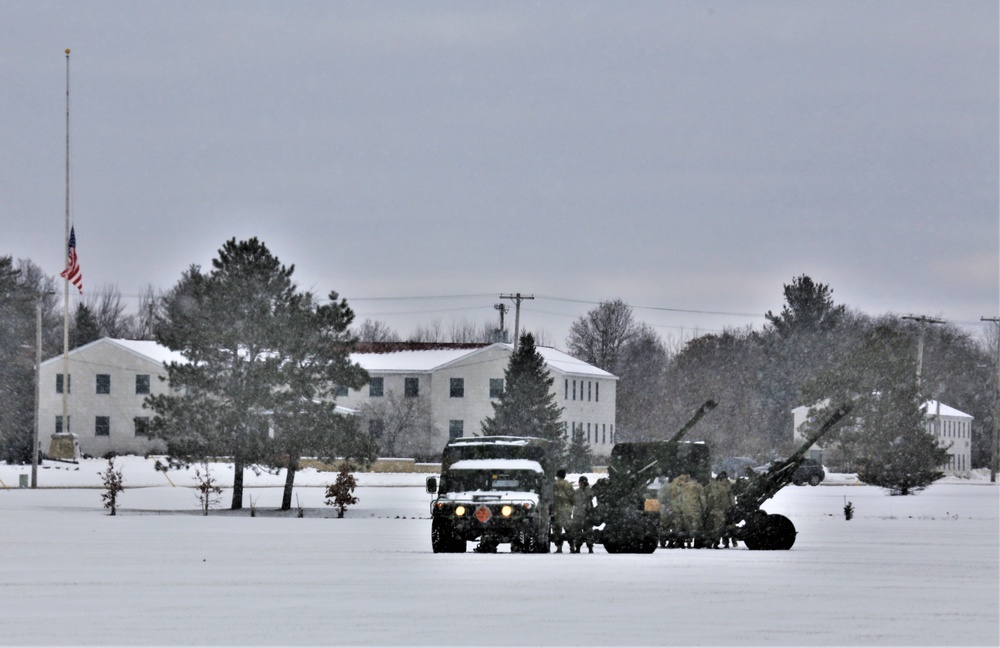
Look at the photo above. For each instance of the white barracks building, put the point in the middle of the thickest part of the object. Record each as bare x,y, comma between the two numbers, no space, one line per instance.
109,379
463,380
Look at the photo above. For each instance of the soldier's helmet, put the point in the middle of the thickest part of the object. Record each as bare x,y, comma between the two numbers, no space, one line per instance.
583,480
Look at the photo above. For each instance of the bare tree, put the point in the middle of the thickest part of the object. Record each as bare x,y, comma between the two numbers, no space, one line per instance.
401,425
106,305
432,333
376,331
600,336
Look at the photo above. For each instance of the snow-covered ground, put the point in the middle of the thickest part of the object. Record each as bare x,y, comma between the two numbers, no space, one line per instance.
920,570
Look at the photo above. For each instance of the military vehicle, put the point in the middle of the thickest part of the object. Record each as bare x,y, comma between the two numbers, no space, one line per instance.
630,525
497,489
754,526
630,513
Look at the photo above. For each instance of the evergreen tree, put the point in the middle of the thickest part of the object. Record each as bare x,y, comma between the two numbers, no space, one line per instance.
887,426
527,406
579,458
84,328
808,308
260,354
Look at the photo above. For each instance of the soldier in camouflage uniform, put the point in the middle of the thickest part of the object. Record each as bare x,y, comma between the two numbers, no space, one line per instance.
582,528
668,519
562,510
718,500
689,507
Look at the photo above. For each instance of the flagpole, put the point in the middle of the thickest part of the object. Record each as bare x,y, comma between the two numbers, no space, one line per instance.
65,390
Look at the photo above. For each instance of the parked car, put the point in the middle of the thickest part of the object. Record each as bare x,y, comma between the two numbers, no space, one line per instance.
810,471
734,467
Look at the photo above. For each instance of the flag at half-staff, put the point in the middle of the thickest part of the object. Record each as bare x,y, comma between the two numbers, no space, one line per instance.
72,272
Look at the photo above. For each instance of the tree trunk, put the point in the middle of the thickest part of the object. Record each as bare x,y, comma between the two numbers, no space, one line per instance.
293,465
237,482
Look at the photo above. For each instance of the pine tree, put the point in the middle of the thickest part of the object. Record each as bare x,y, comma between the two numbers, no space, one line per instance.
887,426
579,458
527,406
261,355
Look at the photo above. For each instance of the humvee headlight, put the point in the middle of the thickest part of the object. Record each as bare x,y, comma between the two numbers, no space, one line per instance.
506,510
459,511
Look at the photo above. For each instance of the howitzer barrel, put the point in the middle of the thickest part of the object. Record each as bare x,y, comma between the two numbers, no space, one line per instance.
763,487
707,407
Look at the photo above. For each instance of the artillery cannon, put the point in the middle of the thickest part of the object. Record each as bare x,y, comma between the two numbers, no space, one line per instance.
759,529
628,526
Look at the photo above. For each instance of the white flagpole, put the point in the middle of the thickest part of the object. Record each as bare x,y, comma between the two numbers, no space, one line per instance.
65,390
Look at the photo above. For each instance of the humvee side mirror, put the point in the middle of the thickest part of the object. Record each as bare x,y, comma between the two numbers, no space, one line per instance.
432,485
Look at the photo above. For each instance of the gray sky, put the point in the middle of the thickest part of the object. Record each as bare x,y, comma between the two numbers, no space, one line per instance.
684,156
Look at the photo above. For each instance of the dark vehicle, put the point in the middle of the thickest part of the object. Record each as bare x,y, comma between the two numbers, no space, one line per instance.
630,517
497,489
735,467
810,471
631,525
753,525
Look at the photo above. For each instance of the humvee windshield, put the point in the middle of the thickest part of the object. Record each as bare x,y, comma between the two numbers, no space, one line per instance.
460,481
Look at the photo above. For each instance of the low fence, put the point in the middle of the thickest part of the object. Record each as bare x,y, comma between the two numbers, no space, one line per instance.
388,465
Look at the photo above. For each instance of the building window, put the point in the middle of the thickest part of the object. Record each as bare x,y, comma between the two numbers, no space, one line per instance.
59,423
142,383
597,391
496,387
411,387
588,389
102,426
588,433
604,432
340,391
574,390
142,426
458,388
566,389
456,429
103,383
59,383
376,386
376,427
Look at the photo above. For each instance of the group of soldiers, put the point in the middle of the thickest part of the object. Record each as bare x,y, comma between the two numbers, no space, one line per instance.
573,514
693,515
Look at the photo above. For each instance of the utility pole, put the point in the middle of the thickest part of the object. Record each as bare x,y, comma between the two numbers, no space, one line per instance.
503,308
517,298
920,344
996,403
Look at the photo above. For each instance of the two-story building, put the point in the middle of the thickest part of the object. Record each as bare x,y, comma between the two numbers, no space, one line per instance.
107,382
952,428
462,381
109,379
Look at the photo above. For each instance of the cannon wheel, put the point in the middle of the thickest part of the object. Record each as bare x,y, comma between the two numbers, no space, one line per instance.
769,533
814,480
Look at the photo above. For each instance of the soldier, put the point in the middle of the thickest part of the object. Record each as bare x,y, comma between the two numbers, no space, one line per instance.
583,513
562,509
689,506
668,519
718,500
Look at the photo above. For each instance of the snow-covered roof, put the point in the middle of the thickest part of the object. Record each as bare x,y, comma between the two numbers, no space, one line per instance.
428,360
497,464
145,348
931,407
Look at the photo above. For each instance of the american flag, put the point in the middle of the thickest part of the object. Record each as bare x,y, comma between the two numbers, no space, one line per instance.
72,271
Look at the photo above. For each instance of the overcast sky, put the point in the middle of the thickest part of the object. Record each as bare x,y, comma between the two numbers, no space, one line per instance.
681,156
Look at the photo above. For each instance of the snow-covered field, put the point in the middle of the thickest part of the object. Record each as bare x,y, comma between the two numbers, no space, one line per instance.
919,570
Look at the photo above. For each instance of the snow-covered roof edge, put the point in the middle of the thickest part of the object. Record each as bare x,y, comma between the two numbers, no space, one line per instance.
146,349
